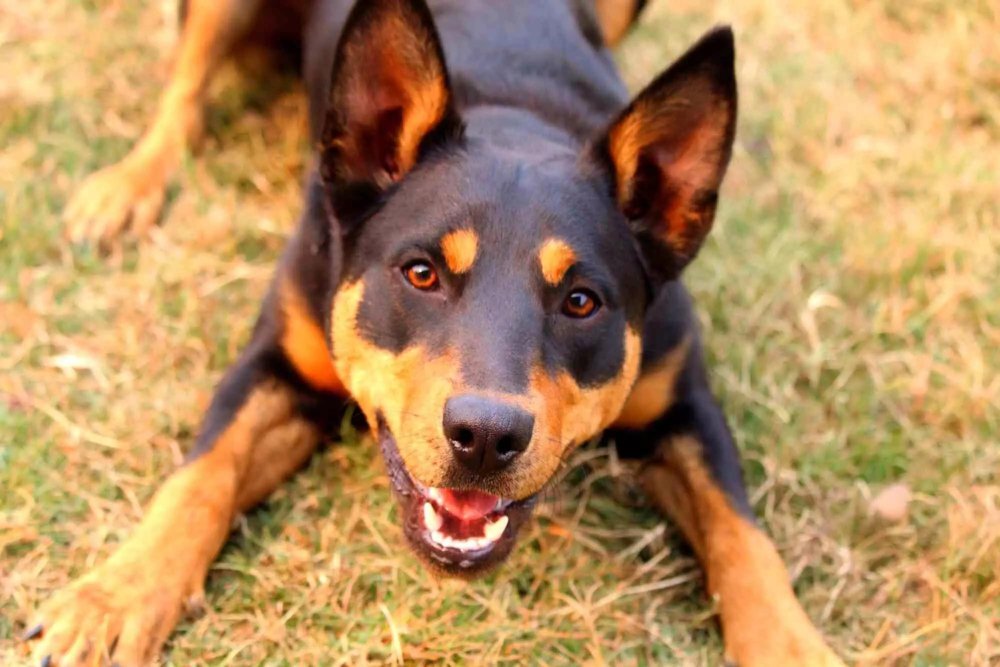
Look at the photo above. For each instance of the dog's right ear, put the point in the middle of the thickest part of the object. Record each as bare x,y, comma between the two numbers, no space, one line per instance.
390,102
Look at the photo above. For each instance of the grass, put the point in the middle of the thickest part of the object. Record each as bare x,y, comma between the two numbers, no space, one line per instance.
851,306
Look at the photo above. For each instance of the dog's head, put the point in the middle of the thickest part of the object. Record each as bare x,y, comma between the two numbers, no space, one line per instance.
495,275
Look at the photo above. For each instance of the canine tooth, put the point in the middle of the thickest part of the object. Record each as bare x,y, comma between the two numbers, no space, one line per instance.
494,529
437,537
435,494
432,519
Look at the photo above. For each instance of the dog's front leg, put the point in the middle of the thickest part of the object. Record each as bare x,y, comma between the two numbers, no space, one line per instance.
255,435
694,476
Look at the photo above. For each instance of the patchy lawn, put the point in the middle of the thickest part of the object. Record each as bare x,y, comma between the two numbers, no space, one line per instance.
850,296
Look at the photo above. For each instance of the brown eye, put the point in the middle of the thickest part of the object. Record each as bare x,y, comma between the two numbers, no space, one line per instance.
580,303
421,275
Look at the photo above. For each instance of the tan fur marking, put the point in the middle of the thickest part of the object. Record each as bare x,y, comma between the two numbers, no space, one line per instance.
654,391
762,622
625,141
459,249
409,389
556,258
427,105
570,415
614,17
427,94
304,343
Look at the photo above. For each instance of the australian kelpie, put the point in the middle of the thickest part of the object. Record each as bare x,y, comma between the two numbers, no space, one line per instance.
488,267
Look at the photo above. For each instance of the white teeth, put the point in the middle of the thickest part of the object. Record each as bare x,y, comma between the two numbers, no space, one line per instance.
432,519
494,529
470,544
435,494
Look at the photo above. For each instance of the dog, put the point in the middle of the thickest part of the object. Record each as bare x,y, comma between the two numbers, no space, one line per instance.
488,265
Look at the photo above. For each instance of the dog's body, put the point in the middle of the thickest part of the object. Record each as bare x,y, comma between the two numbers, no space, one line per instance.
488,266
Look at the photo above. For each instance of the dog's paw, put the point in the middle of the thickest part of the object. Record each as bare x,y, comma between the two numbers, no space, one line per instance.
783,648
109,616
127,194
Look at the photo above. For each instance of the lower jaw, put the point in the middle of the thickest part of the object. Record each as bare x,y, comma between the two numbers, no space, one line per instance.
457,563
447,560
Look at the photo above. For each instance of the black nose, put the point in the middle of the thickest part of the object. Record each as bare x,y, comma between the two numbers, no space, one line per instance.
486,435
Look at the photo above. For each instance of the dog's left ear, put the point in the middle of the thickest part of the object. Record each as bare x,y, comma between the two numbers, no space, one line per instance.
668,151
390,101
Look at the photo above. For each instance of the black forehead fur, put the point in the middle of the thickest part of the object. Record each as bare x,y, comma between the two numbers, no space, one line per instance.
516,183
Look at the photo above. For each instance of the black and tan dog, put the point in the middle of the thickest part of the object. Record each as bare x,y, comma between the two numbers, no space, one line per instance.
488,266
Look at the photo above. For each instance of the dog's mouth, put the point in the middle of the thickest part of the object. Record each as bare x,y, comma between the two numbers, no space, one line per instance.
462,532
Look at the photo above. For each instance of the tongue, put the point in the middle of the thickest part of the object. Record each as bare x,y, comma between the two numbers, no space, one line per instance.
467,505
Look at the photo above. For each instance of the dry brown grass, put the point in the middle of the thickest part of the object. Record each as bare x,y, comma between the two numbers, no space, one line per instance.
850,297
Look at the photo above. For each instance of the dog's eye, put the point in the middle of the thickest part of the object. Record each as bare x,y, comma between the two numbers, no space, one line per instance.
580,303
421,275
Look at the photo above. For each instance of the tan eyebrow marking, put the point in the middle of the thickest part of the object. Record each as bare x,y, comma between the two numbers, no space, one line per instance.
556,258
459,249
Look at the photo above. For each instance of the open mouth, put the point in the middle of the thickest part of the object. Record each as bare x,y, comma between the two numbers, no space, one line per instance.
460,531
466,521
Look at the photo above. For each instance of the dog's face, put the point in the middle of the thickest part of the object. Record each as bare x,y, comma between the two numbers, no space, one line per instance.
487,325
493,279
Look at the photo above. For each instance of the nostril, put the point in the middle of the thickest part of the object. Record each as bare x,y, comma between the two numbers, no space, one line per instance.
507,446
463,437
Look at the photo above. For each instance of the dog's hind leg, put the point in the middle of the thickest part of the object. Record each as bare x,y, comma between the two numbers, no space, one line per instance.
694,476
616,17
132,191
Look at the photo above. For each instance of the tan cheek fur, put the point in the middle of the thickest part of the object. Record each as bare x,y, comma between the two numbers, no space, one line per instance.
408,389
567,415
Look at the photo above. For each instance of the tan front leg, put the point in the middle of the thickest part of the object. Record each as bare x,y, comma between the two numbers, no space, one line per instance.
125,609
133,189
763,624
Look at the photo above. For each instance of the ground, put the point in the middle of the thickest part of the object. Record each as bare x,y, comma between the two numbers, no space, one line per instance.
849,295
